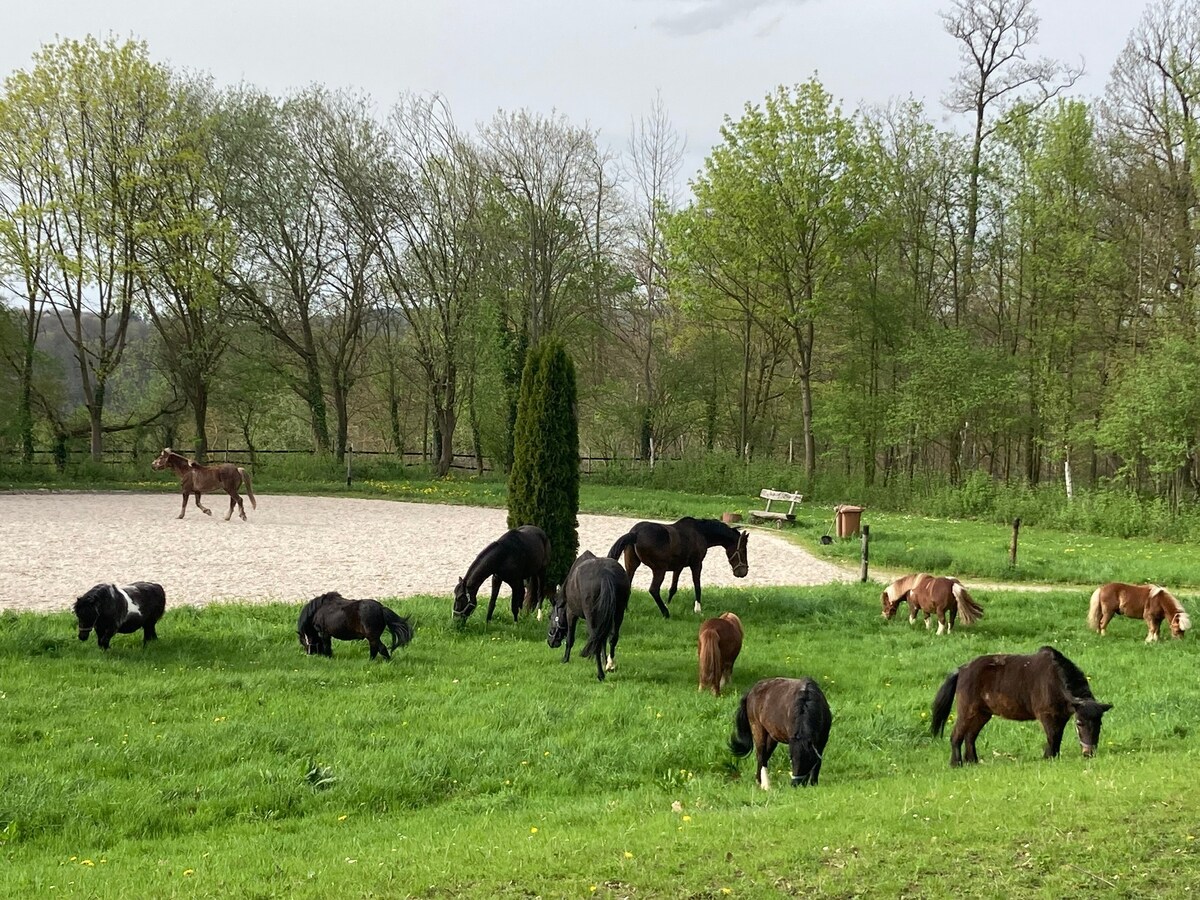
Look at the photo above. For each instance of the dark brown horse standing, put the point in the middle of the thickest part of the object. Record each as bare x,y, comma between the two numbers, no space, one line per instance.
333,616
196,479
518,556
718,645
1045,686
673,548
790,711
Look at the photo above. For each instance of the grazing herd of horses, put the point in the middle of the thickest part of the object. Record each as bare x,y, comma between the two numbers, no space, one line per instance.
1045,686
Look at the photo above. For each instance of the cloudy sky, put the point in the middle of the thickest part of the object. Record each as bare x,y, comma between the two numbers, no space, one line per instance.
598,61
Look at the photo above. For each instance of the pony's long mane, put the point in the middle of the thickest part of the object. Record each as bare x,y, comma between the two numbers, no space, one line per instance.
309,610
1072,676
1173,608
714,531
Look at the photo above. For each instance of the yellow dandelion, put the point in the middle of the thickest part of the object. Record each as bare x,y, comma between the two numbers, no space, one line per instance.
87,862
628,855
687,818
726,890
547,753
188,873
533,830
341,818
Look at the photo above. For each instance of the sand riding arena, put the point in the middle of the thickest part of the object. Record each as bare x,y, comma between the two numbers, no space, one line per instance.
54,546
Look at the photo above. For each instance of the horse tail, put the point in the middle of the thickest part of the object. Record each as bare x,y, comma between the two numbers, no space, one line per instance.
741,741
400,627
968,610
942,704
710,659
602,620
249,490
1094,610
623,541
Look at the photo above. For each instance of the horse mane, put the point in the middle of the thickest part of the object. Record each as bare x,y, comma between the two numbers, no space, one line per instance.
1072,676
714,531
310,608
92,597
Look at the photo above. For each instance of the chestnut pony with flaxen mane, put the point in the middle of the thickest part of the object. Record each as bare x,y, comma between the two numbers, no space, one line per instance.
941,596
720,642
1138,601
195,479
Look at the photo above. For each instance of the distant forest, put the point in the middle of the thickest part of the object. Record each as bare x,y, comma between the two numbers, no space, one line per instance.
858,292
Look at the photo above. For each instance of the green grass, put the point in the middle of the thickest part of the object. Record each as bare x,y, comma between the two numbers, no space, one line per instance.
222,762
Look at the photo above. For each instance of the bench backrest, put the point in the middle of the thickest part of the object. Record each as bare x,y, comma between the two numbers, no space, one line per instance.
790,498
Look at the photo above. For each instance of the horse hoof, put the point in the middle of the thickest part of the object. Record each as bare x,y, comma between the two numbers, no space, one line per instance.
207,512
696,607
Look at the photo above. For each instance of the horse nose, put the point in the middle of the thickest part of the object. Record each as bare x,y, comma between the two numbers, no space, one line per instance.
83,635
741,571
1089,750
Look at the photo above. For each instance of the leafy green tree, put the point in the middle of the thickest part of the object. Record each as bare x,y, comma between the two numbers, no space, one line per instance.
543,487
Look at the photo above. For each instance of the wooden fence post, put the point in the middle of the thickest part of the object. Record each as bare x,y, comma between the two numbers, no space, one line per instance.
1012,548
349,454
866,542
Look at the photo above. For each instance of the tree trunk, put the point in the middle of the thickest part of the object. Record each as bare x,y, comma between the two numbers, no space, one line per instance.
96,420
446,421
315,399
199,404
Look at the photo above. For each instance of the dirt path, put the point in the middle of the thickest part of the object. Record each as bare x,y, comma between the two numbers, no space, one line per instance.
53,546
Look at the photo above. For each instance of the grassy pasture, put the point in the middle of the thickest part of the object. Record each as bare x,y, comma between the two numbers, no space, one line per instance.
222,762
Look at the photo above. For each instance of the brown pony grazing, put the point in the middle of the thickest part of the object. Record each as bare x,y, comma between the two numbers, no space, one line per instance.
1145,601
196,479
940,595
719,644
1045,686
790,711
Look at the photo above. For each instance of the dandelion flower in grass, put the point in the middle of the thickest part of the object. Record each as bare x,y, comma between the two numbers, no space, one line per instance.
687,818
628,855
726,890
533,830
341,818
188,873
87,862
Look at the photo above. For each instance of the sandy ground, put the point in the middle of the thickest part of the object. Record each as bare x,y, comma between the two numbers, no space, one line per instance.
54,546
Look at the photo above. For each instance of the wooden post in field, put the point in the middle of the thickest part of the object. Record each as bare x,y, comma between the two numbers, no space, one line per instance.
349,454
866,542
1012,548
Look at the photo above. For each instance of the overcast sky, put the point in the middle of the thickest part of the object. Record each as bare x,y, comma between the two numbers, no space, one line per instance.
597,61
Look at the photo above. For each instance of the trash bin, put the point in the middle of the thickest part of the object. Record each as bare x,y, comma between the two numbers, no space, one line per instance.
849,520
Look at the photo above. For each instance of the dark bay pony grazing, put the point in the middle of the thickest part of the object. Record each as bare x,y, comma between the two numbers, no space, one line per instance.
790,711
673,548
110,609
195,479
941,596
1045,686
1138,601
333,616
719,644
517,556
595,590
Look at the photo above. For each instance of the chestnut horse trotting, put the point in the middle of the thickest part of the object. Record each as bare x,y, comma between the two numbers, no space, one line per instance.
720,643
1045,686
673,548
790,711
1138,601
196,479
942,596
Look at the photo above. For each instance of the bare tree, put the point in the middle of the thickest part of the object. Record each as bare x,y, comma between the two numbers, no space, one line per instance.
994,38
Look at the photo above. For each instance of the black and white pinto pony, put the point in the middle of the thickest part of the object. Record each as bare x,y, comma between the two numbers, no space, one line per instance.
517,557
790,711
596,590
333,616
110,609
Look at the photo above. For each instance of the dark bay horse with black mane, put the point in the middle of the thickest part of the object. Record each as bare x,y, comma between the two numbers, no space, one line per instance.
333,616
673,548
595,590
517,556
111,609
790,711
1045,686
196,479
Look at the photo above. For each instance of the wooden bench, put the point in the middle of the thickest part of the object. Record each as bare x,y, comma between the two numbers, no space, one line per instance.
775,515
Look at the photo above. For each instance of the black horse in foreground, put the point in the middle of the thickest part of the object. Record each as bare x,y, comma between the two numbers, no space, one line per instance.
517,556
597,591
111,609
673,548
790,711
1045,686
333,616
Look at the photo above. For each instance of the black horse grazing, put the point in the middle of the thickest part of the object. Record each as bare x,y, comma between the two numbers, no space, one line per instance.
109,609
333,616
596,590
1045,686
673,548
517,556
790,711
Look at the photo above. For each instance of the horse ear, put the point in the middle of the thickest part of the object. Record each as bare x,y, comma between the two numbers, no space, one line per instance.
1105,707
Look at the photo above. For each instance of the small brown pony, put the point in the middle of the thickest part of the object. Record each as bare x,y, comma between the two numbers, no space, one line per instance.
719,645
1145,601
790,711
943,596
1045,686
195,479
